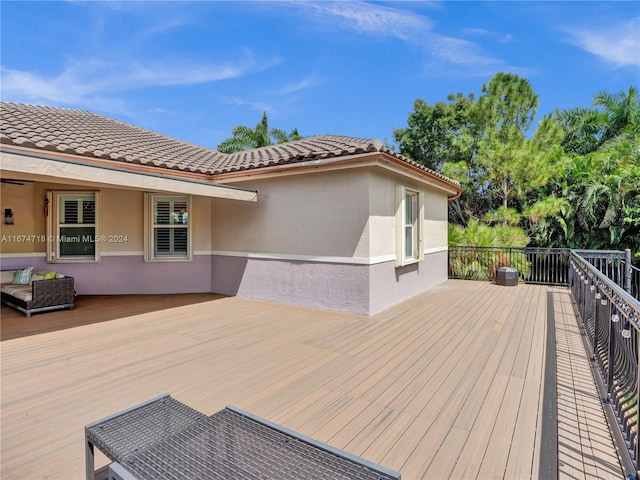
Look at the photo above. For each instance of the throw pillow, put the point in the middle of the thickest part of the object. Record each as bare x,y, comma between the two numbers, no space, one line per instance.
36,276
49,276
23,277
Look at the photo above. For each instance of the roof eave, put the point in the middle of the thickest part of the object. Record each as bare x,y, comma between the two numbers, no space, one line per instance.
70,169
452,188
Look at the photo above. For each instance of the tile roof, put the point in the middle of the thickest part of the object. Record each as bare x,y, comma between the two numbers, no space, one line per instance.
87,134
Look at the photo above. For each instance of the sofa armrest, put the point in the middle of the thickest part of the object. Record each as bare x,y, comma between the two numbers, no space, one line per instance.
57,291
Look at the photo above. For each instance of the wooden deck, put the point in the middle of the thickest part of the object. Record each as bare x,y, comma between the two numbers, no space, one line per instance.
446,385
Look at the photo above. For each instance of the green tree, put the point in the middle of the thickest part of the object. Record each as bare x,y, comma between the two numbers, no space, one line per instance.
587,129
505,111
602,188
622,111
483,144
478,234
602,180
432,133
573,180
504,168
246,138
583,129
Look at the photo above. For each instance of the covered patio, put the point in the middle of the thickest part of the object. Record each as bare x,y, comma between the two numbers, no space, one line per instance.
450,384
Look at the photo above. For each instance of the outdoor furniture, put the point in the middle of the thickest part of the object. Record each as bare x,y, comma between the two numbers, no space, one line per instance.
37,295
166,439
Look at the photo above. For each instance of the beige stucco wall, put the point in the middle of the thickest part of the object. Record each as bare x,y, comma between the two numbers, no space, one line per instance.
344,213
121,219
435,220
383,206
322,214
17,238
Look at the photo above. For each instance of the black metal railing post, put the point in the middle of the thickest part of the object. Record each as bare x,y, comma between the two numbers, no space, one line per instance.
612,349
627,270
636,445
596,296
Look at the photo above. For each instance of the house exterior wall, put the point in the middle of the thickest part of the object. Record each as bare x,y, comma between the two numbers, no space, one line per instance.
325,240
121,268
388,284
305,242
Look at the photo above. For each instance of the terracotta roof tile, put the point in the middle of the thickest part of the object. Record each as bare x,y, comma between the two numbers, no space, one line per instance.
87,134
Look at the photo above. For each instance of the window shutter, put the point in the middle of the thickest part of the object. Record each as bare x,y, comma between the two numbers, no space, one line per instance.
163,213
421,227
180,240
167,230
88,211
73,226
400,233
70,212
163,241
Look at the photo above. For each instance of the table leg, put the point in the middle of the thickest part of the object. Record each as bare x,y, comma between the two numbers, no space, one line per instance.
89,460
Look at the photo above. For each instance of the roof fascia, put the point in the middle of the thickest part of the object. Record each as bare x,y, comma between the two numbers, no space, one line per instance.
72,169
379,159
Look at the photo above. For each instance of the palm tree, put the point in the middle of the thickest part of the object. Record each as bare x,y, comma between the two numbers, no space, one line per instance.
583,129
602,191
621,110
246,138
587,129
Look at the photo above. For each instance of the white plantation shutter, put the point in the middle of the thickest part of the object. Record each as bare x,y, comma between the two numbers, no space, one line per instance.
169,227
409,226
70,211
72,227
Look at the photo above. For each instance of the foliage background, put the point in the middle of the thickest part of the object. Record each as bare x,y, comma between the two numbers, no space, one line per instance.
573,180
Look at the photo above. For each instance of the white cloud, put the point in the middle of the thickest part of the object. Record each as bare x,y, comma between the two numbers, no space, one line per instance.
446,55
164,111
461,52
304,84
617,44
83,81
480,32
253,104
172,23
25,86
373,19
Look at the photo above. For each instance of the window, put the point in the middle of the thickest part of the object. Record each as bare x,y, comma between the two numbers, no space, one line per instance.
409,226
73,226
168,232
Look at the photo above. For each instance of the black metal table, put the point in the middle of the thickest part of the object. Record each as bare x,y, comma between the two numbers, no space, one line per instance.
166,439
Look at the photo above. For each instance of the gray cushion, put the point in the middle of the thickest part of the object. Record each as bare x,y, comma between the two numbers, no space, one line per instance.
21,292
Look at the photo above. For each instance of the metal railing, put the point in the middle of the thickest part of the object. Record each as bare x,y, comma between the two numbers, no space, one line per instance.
546,266
632,279
610,318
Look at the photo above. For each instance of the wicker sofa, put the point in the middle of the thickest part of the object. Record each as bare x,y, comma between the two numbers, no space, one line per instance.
38,294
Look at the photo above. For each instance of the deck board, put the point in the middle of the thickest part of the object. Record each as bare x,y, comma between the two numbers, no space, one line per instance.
445,385
584,443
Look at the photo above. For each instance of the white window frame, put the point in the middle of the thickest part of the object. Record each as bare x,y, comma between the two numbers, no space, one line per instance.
55,228
150,200
409,234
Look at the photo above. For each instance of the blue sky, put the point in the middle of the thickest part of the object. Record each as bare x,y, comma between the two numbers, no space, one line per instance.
194,70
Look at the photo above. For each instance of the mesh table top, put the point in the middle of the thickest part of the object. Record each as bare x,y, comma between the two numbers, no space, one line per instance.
230,444
137,429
